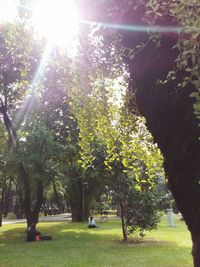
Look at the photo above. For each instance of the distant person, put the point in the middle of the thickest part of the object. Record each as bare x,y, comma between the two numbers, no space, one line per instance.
92,223
34,235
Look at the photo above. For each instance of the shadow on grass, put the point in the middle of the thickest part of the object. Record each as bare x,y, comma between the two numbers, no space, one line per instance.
74,245
78,232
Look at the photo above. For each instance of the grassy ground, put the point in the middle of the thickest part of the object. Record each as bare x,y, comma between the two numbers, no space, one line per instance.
74,245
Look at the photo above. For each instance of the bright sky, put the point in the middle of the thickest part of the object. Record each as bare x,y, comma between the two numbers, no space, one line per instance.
57,20
8,10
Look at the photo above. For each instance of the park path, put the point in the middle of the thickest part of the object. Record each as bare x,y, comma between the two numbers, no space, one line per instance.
49,218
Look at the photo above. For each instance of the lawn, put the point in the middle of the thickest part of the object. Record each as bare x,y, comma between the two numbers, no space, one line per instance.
74,245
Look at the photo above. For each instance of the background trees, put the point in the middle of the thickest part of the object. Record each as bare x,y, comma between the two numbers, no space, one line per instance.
69,127
17,66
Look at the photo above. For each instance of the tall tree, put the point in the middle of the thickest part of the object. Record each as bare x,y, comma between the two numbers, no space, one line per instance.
15,65
27,74
160,43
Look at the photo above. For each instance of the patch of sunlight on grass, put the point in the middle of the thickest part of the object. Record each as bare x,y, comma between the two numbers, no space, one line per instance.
177,234
75,245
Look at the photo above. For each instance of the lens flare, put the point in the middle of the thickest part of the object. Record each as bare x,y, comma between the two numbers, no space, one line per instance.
56,20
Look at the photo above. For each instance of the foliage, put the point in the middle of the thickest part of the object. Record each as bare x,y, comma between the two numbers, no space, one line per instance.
68,120
142,211
185,16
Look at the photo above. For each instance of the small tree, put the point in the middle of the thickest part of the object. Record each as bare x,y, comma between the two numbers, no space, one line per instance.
142,211
139,205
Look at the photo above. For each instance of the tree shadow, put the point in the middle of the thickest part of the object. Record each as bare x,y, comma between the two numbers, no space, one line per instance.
74,244
108,232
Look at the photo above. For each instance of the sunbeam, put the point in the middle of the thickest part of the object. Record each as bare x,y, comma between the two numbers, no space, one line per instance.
34,87
136,28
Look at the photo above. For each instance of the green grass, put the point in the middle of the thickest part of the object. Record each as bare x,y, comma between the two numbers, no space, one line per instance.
74,245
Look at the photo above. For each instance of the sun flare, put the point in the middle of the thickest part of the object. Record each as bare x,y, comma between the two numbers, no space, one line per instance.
8,11
56,20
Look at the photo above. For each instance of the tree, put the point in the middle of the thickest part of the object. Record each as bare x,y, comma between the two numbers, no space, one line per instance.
18,60
160,42
88,169
134,163
102,118
35,112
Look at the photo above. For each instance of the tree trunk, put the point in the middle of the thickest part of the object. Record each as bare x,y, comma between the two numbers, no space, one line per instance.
118,210
1,205
170,118
1,218
7,195
58,202
123,222
80,199
76,201
32,215
196,248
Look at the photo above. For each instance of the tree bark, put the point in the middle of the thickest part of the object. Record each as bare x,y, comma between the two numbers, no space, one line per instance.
1,205
123,222
196,249
80,200
7,193
75,200
32,215
13,139
170,119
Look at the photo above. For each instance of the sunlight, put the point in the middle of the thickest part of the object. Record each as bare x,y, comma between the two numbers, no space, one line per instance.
56,20
8,11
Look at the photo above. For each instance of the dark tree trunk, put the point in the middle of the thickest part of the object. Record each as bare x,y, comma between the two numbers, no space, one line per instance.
123,222
1,205
33,214
170,119
196,248
6,197
118,210
76,201
1,219
81,198
13,140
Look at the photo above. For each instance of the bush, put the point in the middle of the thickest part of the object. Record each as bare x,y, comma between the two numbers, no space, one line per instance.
142,211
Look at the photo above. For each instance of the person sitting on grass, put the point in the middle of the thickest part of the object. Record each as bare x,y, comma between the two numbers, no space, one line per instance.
92,223
34,235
